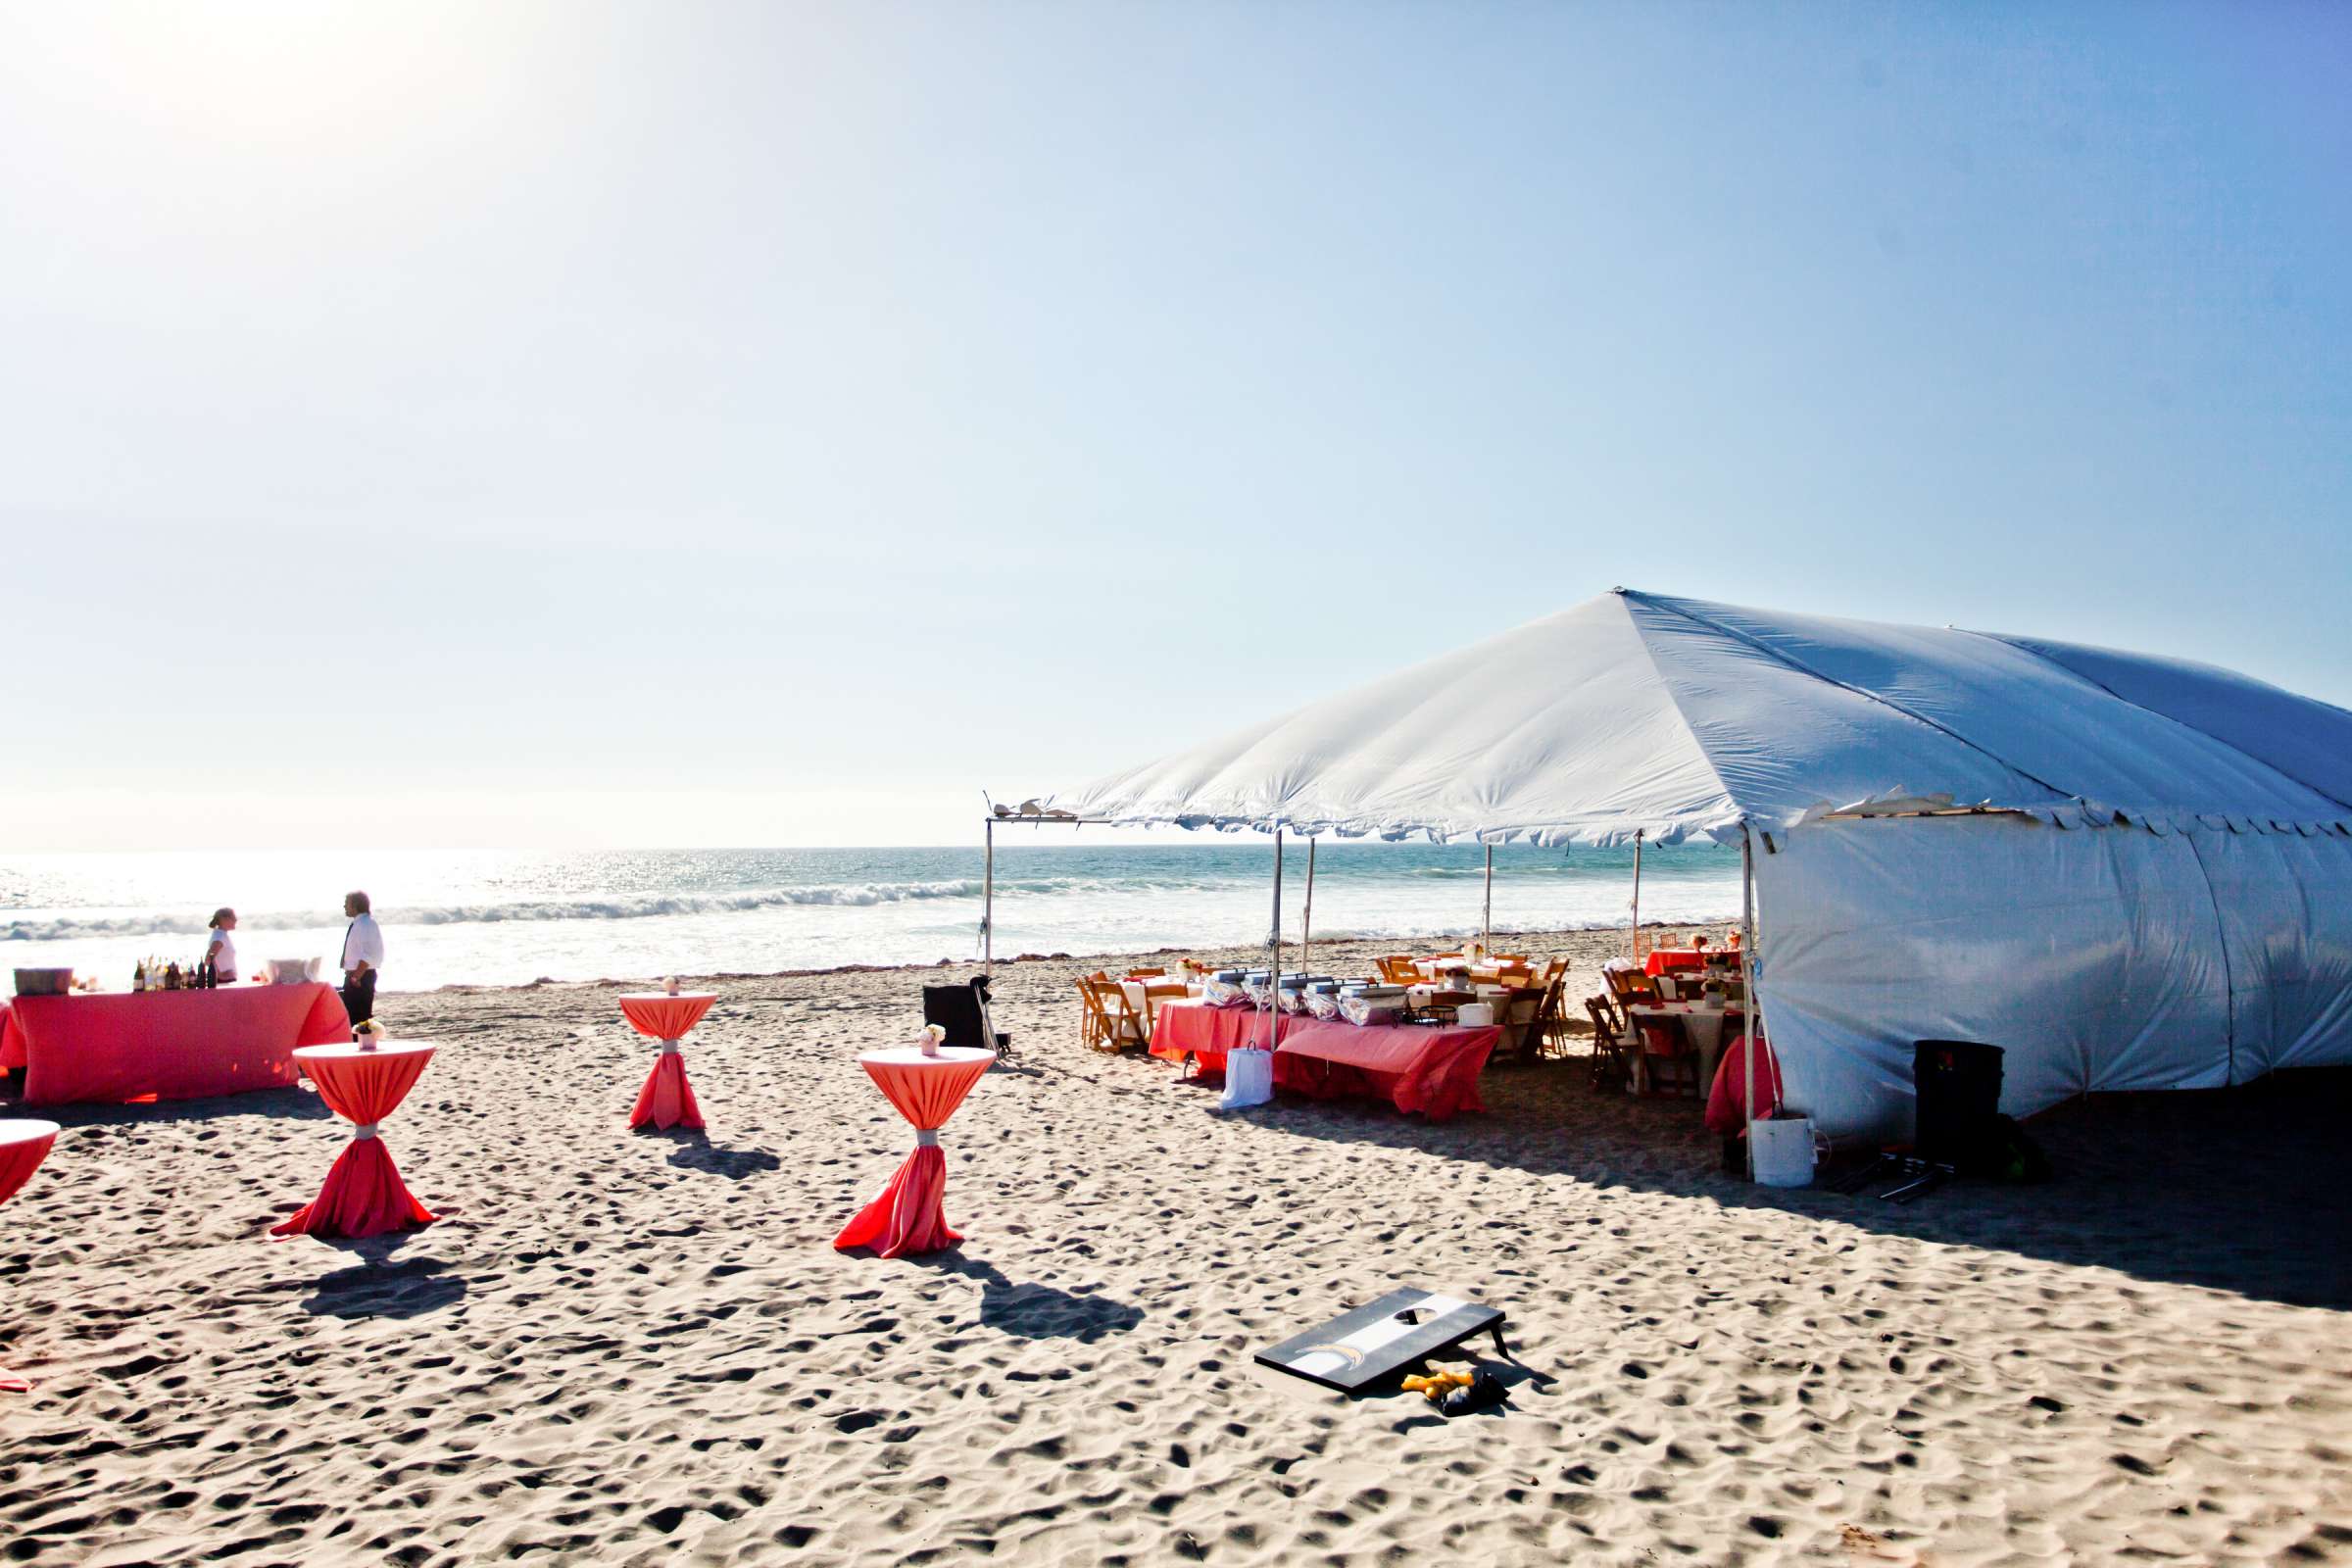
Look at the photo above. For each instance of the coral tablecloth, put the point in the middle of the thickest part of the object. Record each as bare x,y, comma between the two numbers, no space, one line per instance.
363,1193
1412,1066
24,1145
667,1099
910,1215
1205,1033
165,1045
1673,960
1727,1099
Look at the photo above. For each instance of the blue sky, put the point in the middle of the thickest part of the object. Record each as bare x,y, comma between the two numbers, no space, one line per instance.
453,424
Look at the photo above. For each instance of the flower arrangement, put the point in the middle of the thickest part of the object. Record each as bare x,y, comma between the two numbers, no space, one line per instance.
930,1039
371,1035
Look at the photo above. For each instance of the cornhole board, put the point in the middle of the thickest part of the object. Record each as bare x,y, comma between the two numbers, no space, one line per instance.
1358,1349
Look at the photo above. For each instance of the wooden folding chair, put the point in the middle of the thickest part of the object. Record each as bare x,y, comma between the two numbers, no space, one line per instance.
1534,1028
1551,1025
1093,1027
1398,969
1668,1056
1612,1065
1122,1024
1155,993
1630,986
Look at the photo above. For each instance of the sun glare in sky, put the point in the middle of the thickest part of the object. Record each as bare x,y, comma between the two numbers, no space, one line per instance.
544,424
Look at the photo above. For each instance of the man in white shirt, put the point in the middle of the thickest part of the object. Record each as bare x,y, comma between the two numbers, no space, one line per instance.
362,956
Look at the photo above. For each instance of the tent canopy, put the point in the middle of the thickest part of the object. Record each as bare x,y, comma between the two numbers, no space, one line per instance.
2203,938
1677,717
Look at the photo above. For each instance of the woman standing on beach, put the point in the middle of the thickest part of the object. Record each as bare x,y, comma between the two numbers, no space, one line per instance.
221,952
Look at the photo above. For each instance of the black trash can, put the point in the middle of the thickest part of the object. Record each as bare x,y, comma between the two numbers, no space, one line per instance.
1959,1084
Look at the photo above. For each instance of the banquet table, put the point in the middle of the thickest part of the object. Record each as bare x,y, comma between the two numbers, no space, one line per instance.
1702,1026
1205,1033
1484,971
1147,997
1673,960
165,1045
364,1195
667,1099
909,1213
1412,1066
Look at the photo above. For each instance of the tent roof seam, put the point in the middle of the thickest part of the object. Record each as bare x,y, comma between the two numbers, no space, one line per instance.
2261,762
1675,606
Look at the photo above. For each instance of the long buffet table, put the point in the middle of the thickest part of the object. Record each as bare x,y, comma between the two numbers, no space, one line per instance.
1412,1066
165,1045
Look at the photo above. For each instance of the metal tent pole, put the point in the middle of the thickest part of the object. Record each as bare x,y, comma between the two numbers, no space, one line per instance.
1274,948
987,897
1748,985
1486,919
1306,916
1632,938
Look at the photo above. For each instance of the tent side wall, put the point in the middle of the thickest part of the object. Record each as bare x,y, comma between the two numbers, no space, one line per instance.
2287,906
2093,955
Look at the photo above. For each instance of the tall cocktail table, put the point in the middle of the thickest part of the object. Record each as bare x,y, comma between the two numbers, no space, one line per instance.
364,1195
667,1099
910,1215
24,1145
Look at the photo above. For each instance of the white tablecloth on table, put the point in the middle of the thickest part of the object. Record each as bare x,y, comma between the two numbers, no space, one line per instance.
1135,992
1514,1006
1702,1025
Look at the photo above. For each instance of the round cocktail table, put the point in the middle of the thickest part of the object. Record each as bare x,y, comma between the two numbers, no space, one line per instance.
667,1100
910,1214
364,1195
24,1145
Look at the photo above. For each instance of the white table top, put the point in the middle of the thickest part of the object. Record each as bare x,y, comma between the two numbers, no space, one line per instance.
27,1130
351,1049
670,996
914,1056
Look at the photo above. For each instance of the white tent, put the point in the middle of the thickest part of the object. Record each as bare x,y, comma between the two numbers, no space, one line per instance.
2131,872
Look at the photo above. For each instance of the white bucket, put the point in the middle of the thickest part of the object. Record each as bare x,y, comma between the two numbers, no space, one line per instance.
1783,1152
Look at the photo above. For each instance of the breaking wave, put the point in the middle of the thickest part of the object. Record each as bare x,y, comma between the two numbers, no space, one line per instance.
620,908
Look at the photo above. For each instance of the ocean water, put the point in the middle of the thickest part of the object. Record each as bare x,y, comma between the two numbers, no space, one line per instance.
507,918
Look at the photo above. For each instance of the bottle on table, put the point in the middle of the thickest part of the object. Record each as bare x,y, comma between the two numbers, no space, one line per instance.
172,976
139,978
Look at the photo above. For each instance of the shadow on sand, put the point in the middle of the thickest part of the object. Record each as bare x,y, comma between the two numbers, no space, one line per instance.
2247,1190
694,1150
1037,1311
296,1104
376,1287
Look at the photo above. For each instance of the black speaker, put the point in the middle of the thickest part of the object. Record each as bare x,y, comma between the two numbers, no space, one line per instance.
1959,1084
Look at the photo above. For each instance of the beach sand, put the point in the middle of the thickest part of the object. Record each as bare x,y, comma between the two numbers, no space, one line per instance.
644,1349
